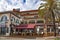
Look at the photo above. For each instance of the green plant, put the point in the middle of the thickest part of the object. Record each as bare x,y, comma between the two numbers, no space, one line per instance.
57,38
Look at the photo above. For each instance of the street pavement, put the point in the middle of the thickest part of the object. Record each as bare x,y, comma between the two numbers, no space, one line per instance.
31,38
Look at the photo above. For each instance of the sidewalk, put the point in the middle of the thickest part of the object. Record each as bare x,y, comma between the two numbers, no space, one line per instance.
29,38
52,38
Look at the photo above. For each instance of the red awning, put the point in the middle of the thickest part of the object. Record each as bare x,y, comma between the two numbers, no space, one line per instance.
25,26
31,25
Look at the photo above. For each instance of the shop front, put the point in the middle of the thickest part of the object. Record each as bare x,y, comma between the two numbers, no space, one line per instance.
25,29
39,30
58,30
50,30
2,29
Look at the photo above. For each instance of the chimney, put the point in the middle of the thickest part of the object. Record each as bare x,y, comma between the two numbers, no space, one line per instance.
16,10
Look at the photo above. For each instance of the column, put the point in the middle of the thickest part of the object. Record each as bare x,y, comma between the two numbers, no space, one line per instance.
27,21
45,30
8,31
14,31
35,21
50,30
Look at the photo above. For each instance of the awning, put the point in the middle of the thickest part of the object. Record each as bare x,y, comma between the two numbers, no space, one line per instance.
25,26
31,25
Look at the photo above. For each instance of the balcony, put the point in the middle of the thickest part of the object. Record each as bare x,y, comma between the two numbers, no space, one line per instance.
30,17
28,14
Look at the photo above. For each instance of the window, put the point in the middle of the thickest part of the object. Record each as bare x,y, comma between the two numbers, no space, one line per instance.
16,30
32,21
4,18
29,17
50,29
25,22
22,22
30,30
27,13
40,21
39,29
36,16
12,19
33,13
17,21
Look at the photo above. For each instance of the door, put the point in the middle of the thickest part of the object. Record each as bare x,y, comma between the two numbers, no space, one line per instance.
3,30
39,29
50,30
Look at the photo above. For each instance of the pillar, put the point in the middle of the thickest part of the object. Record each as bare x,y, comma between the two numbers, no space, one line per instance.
14,31
45,30
8,31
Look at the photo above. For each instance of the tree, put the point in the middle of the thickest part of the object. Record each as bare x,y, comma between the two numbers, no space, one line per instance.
48,8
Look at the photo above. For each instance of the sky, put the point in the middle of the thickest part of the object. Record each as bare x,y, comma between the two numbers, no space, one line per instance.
7,5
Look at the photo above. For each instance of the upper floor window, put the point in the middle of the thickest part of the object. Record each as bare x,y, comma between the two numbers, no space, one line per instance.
27,13
32,21
17,21
29,17
40,21
22,22
25,22
33,13
4,18
12,19
36,16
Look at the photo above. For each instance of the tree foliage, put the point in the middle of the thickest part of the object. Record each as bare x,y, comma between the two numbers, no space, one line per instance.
45,9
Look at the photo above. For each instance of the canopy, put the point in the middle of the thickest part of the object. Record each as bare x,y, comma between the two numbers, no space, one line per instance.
21,26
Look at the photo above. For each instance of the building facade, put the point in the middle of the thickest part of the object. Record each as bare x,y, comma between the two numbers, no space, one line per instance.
26,23
8,20
33,24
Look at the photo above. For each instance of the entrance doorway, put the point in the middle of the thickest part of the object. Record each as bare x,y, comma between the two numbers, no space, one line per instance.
40,30
2,31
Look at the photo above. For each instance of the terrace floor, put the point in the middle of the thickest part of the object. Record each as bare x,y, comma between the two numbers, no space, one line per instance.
18,37
30,38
